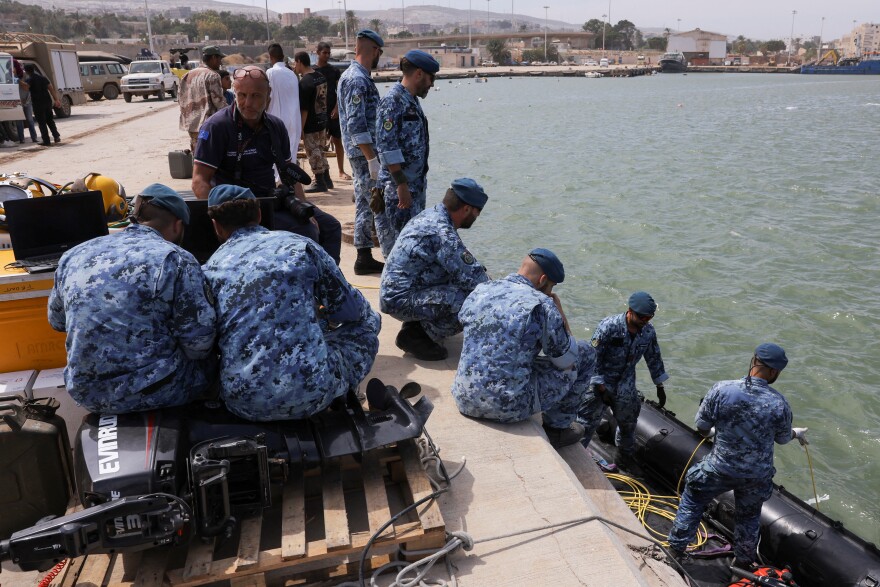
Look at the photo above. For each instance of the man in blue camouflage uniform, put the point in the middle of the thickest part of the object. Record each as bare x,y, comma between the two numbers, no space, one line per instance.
430,272
507,324
403,145
293,334
746,416
358,100
138,313
620,342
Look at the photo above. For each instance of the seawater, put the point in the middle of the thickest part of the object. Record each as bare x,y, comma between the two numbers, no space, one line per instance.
747,204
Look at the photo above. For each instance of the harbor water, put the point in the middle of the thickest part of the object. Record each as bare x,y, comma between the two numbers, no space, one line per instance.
747,204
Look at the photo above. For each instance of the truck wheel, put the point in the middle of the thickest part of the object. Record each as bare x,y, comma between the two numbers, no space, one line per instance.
126,96
174,92
111,92
64,111
161,94
96,96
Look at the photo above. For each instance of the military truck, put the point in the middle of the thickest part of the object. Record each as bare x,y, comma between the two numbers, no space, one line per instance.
52,58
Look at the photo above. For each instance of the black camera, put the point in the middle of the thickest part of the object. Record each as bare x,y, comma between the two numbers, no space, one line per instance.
292,174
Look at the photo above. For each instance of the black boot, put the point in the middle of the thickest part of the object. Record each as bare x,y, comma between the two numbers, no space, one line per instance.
365,264
318,185
560,437
327,181
413,339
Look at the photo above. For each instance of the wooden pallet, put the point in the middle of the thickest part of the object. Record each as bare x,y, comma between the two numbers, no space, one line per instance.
318,531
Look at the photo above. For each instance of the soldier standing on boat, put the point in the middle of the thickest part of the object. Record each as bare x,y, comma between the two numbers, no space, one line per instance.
403,144
358,100
620,342
747,417
508,323
430,272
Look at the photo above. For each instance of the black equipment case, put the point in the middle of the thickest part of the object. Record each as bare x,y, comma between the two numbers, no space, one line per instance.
35,473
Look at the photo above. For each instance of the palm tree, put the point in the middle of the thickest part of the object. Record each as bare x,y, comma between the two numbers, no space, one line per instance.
376,25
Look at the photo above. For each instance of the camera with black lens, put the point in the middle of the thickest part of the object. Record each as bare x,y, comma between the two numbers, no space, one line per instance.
292,174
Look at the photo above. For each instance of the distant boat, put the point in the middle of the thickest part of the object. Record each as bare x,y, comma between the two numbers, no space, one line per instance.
673,62
867,65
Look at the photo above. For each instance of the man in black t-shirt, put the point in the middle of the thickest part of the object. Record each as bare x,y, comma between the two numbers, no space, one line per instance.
43,98
332,75
313,106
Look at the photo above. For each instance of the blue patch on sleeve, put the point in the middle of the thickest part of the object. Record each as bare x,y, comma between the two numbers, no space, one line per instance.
203,135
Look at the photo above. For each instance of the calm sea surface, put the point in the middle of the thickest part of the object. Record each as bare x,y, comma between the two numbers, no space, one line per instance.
747,204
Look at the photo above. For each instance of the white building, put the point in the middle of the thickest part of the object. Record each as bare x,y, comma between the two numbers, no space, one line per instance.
699,45
863,40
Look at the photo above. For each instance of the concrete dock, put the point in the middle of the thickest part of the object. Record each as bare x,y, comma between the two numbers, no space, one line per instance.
537,516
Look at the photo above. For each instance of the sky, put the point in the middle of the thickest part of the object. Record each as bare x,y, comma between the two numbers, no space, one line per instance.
755,19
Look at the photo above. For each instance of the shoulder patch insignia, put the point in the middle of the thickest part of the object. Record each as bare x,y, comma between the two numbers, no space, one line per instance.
203,135
595,342
355,99
467,257
388,124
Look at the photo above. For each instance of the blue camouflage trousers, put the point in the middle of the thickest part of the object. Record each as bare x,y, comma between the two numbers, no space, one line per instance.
626,404
363,216
436,308
178,388
704,484
550,390
390,222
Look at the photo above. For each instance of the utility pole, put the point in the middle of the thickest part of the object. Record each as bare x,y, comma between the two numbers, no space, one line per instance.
819,48
545,33
402,15
268,35
150,30
791,37
469,23
604,16
488,22
345,20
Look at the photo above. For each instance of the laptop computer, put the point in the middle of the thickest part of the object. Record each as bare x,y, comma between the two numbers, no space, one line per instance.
199,237
43,229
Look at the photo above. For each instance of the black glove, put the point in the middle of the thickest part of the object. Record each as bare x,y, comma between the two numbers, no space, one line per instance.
602,395
661,396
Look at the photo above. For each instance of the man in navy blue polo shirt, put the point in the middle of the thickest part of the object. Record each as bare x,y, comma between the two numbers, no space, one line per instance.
240,144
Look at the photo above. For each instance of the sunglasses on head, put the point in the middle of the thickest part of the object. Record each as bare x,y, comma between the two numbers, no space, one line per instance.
254,73
643,317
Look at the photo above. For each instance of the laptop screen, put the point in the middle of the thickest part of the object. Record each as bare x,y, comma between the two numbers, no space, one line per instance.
53,224
199,237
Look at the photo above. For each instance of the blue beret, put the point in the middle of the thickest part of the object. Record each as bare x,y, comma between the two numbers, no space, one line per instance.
470,192
641,302
422,60
771,355
164,197
549,263
228,193
372,35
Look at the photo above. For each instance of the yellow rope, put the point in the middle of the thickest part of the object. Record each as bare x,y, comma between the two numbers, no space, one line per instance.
642,503
363,286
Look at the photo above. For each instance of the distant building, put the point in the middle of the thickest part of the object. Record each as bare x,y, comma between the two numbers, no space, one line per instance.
454,56
179,13
699,47
295,18
420,28
863,39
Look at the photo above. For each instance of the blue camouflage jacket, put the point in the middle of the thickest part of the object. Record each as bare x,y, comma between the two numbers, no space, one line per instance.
618,351
135,307
402,136
358,100
428,253
748,416
507,324
269,286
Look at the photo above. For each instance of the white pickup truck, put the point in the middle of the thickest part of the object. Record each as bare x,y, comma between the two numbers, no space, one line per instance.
147,78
